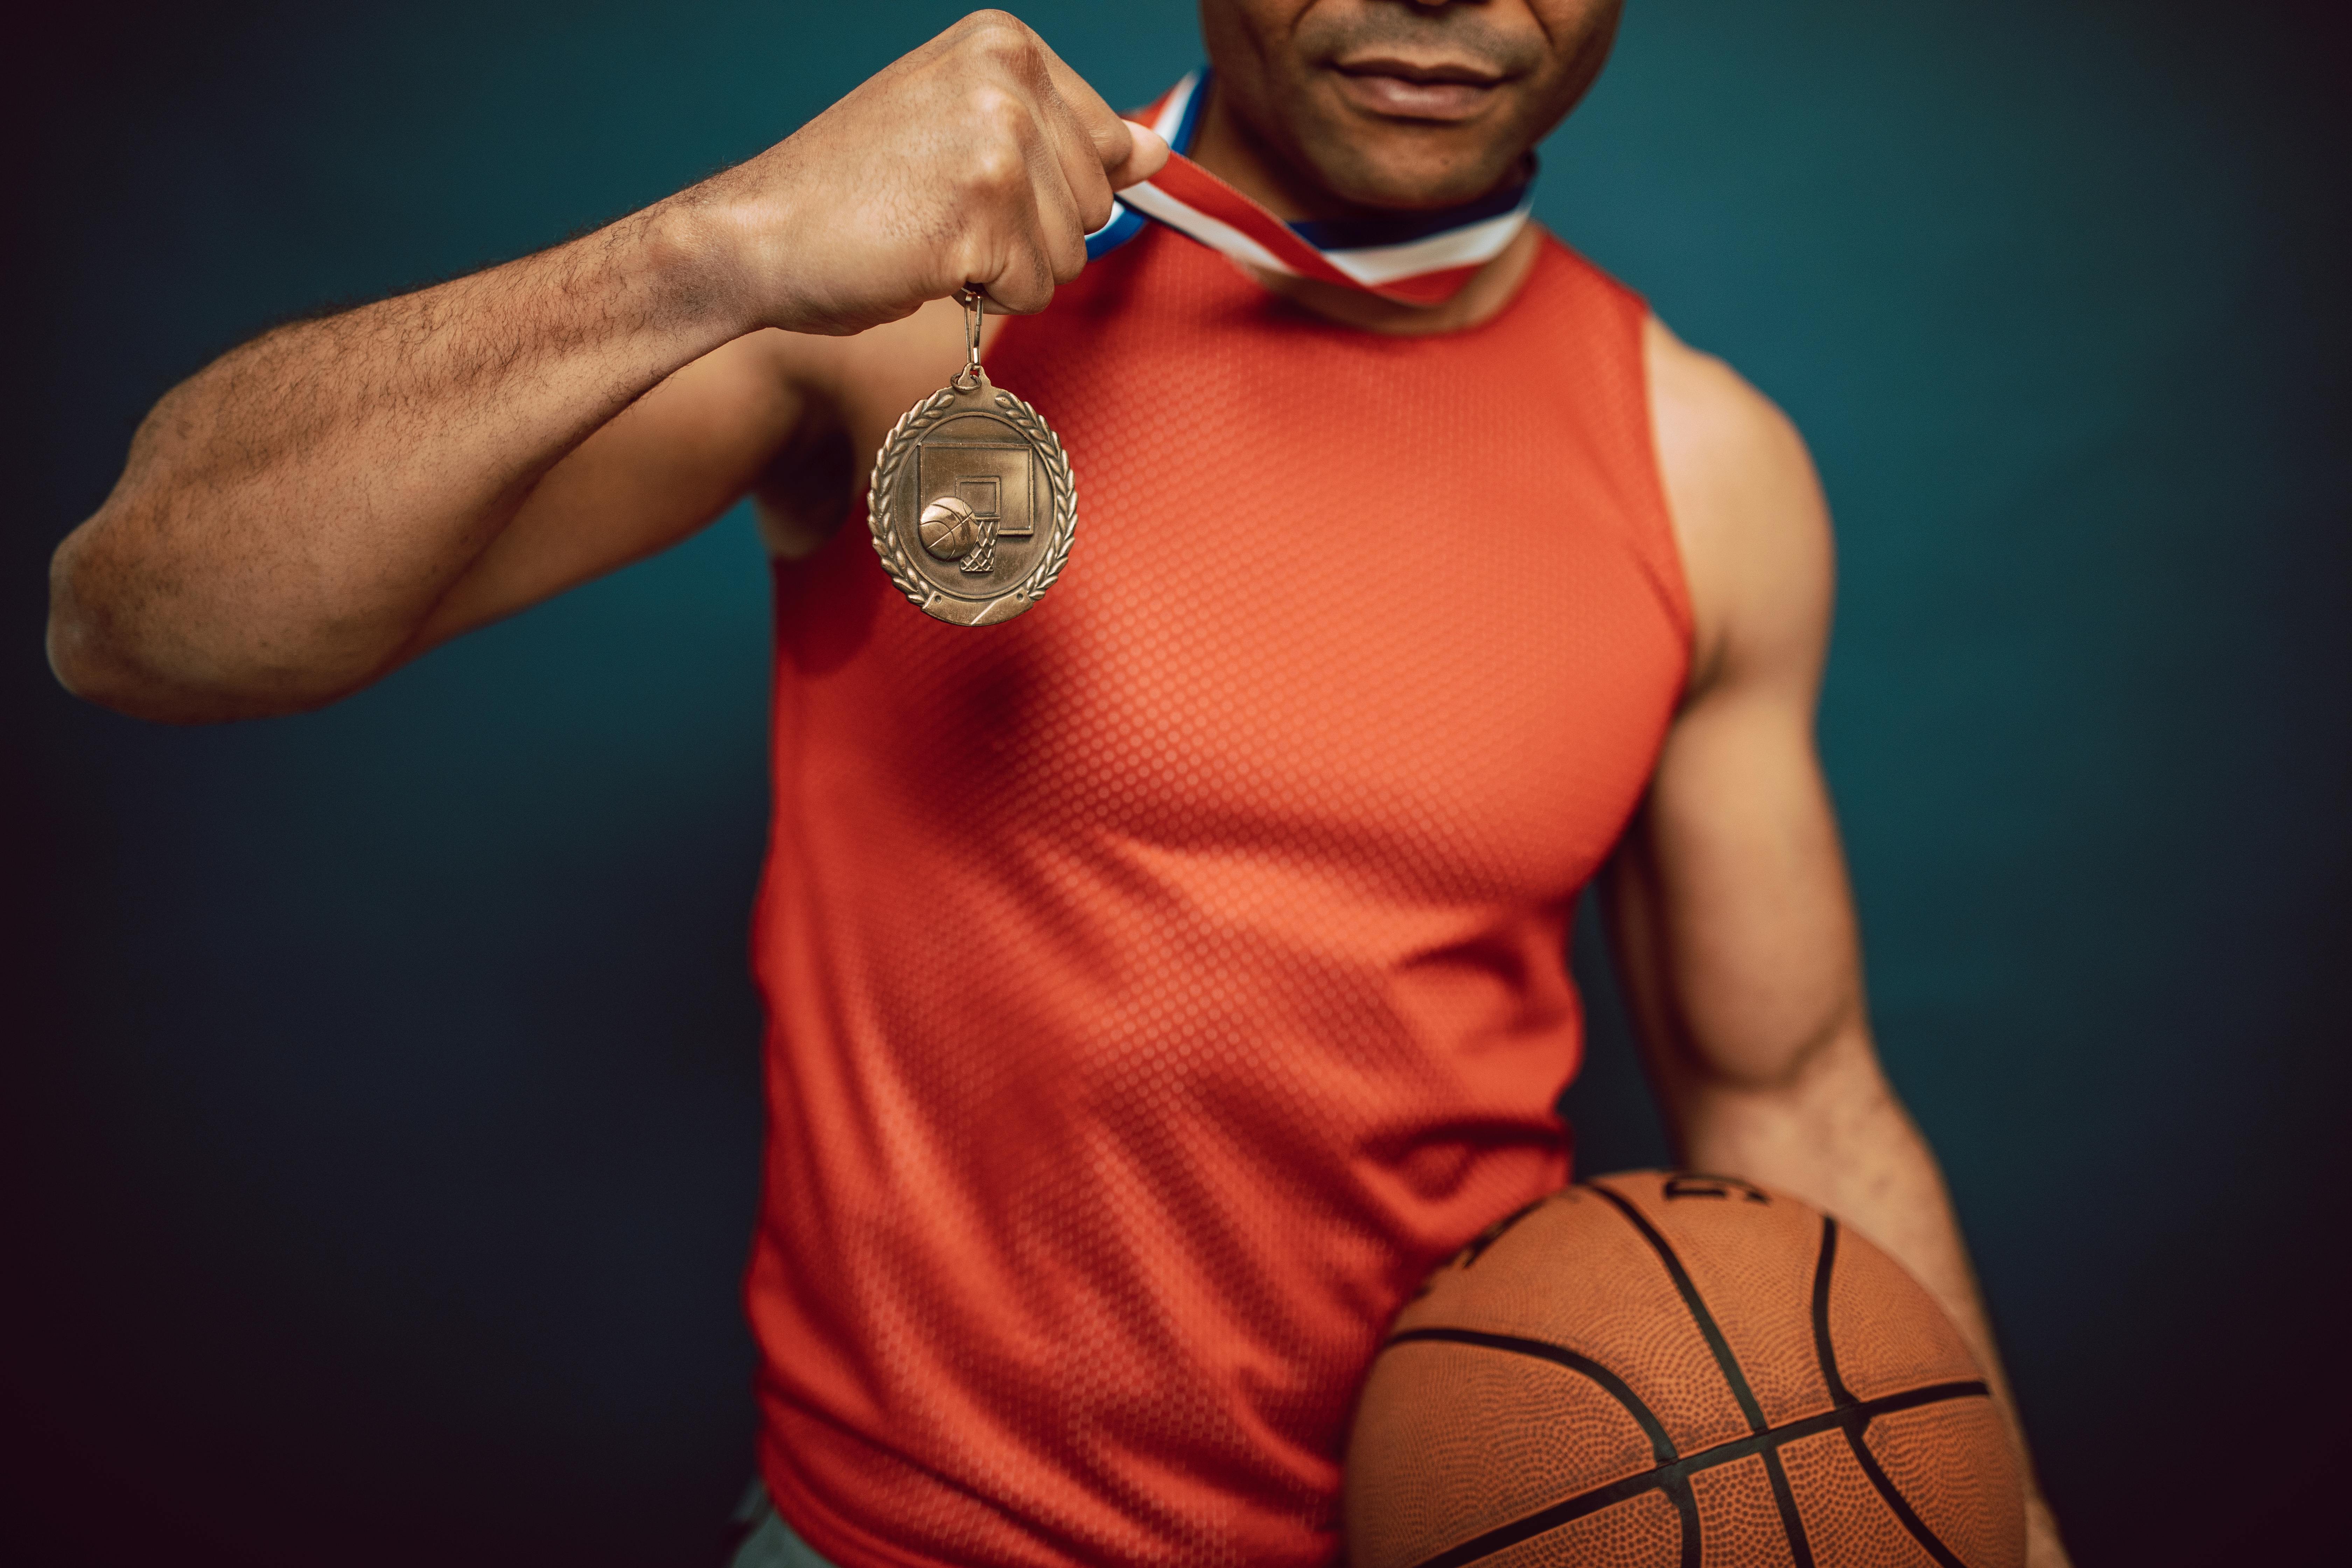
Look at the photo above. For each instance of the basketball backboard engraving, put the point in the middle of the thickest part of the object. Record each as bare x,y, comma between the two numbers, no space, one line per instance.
996,481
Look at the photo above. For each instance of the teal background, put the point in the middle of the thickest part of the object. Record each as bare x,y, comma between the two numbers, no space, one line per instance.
378,1151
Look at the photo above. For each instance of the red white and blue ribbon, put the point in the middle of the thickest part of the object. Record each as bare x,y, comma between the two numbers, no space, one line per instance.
1417,259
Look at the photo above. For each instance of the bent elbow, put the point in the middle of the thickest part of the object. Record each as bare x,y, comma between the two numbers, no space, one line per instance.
71,659
95,663
77,640
107,647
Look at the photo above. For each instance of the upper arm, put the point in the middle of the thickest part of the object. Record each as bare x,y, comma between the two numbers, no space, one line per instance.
664,467
1729,898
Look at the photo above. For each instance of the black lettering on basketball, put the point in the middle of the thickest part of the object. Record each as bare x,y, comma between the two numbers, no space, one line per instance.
1698,1184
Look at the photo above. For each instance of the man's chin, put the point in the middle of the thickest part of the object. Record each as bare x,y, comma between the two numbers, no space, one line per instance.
1411,185
1383,162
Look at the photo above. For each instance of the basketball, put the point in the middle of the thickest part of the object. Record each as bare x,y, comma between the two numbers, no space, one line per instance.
948,528
1657,1368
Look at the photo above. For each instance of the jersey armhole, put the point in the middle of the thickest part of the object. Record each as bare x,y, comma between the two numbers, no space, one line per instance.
1657,546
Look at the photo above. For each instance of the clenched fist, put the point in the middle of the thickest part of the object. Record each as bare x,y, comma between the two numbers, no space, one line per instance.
979,158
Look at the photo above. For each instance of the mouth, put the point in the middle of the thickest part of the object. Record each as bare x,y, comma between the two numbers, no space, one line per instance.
1400,89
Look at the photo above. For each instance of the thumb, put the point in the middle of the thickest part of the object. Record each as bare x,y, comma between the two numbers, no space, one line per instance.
1147,155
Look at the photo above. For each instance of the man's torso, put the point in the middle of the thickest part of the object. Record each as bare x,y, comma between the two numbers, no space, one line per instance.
1159,983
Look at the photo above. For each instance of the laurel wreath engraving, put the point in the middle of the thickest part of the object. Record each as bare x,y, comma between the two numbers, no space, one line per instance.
896,448
1065,487
903,441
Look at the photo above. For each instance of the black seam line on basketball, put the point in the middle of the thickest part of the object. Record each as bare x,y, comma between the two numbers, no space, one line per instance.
1824,1349
1852,1417
1784,1497
1724,1359
1494,1233
1896,1502
1679,1493
1792,1522
1661,1445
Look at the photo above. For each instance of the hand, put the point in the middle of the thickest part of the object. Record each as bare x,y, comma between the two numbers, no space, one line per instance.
979,158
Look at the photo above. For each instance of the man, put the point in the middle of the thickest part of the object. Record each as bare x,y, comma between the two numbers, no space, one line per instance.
1161,982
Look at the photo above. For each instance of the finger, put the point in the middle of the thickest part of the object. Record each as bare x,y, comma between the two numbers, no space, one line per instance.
1068,196
1148,158
1079,133
1111,139
1066,216
1021,284
1076,144
1009,259
1081,187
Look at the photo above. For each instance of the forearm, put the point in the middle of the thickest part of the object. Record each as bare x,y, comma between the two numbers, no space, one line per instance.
1838,1138
290,515
1836,1135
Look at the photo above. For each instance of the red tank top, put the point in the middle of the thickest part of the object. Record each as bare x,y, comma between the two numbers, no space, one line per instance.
1160,983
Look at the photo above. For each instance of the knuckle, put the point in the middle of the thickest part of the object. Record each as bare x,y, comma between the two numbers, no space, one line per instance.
996,167
995,115
997,35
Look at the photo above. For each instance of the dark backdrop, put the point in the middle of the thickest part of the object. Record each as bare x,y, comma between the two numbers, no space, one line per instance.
378,1146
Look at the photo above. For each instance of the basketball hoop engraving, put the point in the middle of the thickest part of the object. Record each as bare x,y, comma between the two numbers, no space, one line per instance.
973,505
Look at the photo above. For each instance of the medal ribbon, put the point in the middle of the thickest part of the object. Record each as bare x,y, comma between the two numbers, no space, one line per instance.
1414,258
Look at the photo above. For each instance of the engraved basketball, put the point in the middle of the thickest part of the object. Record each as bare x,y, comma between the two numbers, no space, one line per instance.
948,528
1661,1370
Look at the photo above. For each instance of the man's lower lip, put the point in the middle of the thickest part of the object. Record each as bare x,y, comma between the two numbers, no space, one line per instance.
1395,96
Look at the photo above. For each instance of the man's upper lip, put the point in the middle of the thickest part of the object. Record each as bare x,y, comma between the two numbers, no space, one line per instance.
1420,71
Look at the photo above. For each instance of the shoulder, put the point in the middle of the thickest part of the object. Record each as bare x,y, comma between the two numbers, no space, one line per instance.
1748,515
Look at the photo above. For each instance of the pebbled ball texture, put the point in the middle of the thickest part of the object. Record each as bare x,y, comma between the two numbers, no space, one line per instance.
1662,1368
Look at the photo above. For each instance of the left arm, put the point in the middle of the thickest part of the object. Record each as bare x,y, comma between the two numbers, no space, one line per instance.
1728,904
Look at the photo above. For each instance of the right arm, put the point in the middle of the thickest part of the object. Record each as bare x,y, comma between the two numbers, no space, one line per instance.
325,502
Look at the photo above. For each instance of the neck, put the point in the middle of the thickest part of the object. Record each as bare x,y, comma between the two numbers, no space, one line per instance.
1229,150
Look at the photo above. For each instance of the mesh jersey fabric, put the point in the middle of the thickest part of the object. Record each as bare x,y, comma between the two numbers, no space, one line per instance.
1161,982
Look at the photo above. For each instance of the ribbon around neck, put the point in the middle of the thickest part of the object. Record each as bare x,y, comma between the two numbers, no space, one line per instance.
1414,258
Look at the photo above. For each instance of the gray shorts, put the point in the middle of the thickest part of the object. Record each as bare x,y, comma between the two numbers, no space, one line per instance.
768,1542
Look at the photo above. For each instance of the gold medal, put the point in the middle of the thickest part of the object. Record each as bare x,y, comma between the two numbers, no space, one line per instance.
972,504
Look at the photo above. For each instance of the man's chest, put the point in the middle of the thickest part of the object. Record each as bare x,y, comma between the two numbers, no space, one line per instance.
1381,606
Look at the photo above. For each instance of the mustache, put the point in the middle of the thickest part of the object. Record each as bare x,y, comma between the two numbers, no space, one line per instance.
1455,33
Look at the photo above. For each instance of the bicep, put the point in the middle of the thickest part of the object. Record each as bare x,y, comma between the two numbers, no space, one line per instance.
1734,919
1729,899
662,468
